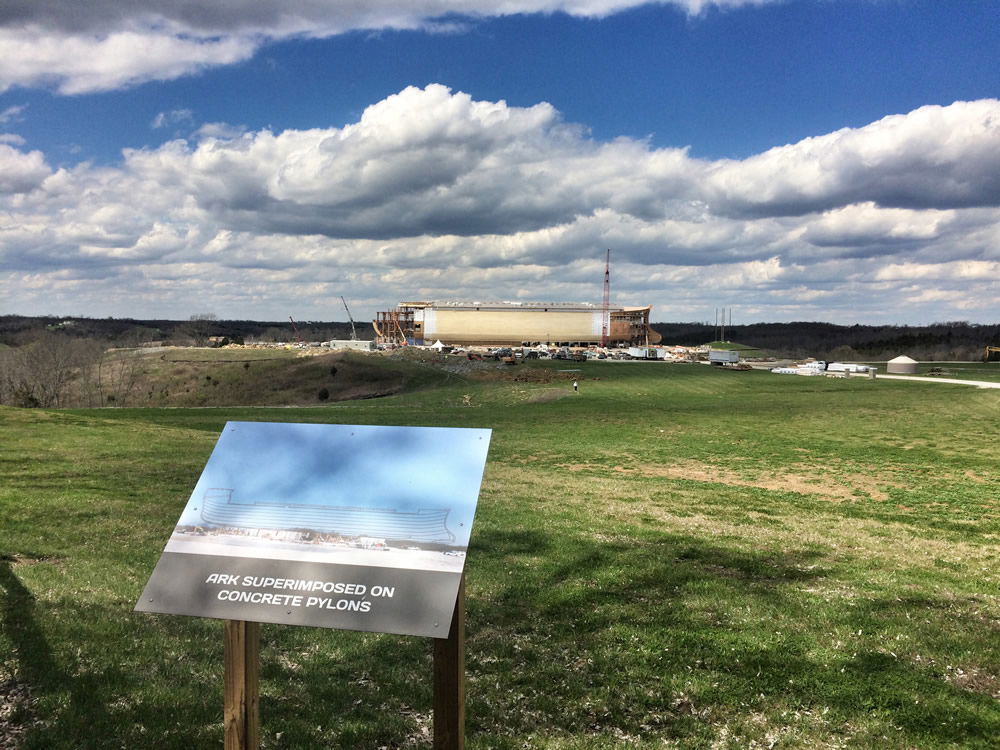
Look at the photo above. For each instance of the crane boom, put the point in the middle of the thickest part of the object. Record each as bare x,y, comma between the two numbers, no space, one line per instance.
606,309
298,336
354,333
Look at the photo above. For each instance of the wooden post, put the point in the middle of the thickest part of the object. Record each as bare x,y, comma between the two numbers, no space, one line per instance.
241,713
449,681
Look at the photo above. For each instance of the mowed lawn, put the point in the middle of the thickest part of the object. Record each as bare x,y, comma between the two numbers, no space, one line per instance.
676,556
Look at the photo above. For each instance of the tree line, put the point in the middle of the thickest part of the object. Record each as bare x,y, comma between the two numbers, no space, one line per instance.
948,341
54,362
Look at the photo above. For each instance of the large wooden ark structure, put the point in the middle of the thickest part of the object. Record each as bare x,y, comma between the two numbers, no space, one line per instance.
514,323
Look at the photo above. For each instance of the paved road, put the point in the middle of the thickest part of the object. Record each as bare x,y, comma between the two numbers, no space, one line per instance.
977,383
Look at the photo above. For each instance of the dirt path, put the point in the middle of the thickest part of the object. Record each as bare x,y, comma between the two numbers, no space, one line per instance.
956,381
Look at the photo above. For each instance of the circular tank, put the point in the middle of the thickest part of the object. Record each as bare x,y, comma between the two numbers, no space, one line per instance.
902,365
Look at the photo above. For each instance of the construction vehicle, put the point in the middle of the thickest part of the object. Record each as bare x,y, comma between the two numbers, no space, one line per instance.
990,350
354,333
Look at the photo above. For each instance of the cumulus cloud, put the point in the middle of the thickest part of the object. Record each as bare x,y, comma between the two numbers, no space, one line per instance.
933,157
431,193
433,161
866,224
102,45
21,172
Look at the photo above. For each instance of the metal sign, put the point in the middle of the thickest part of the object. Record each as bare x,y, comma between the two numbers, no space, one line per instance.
355,527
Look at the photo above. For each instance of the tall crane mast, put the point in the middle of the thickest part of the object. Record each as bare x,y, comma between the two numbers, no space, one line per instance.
354,333
298,336
606,309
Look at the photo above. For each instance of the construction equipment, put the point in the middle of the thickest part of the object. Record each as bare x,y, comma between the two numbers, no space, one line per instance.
990,350
606,309
298,337
354,333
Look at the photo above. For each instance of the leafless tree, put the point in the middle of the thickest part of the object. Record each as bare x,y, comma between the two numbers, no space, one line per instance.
41,371
114,376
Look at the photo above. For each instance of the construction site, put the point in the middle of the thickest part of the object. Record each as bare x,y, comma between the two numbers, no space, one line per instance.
459,323
463,323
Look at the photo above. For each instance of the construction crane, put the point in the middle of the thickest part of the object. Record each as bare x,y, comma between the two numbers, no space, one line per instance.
606,309
354,334
298,337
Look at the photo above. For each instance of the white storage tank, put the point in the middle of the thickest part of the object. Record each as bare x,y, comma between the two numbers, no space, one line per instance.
902,365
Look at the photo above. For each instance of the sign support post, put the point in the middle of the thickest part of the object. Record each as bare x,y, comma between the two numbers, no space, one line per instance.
449,681
241,711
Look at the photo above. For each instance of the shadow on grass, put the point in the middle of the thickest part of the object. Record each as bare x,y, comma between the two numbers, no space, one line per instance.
667,634
37,667
658,636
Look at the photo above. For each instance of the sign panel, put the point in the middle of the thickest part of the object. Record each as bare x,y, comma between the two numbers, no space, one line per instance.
357,527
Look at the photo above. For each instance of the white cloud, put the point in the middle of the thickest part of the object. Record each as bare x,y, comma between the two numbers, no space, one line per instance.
12,113
866,224
173,117
219,130
933,157
21,172
103,45
77,64
431,193
965,270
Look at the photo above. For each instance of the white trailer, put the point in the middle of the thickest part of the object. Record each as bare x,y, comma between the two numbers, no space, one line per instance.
646,352
846,367
723,357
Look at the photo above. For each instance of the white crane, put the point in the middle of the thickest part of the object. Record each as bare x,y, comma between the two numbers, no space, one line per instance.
354,333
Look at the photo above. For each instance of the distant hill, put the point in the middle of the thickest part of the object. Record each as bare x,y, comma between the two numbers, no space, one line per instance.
13,327
939,341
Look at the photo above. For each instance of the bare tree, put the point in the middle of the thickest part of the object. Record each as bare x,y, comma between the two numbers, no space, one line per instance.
41,371
115,374
199,327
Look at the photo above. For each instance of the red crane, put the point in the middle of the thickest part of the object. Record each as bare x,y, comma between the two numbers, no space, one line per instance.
298,337
606,310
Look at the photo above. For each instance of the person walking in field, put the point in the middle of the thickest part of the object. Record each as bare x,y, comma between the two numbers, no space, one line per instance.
576,387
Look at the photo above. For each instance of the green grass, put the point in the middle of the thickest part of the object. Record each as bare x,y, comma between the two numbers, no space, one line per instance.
988,371
673,557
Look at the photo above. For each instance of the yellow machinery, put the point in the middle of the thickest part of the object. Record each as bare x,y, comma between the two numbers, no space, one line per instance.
990,350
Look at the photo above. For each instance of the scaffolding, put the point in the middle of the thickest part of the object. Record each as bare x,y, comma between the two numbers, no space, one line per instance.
631,326
395,327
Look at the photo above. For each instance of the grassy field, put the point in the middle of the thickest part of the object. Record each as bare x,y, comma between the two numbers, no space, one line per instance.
988,371
676,556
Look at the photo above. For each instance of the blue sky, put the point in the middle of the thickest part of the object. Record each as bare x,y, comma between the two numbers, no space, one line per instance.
799,159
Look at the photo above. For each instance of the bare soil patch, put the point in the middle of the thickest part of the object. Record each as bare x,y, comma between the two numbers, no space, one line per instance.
834,486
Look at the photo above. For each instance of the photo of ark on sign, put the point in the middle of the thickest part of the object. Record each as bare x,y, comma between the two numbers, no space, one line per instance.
317,523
